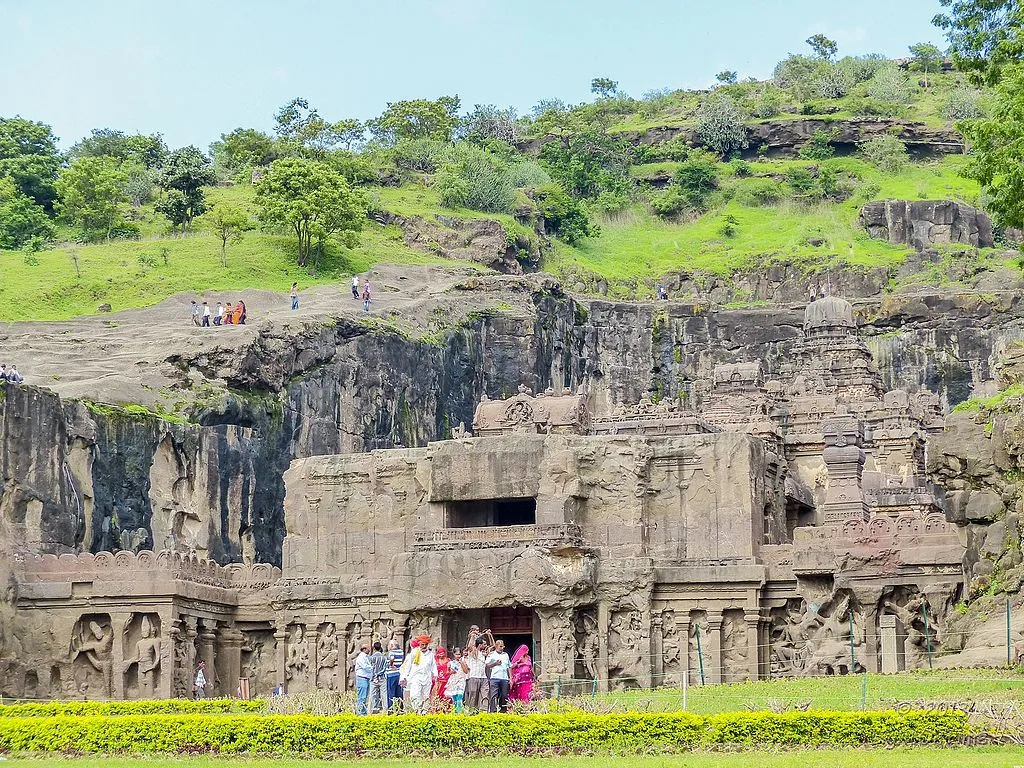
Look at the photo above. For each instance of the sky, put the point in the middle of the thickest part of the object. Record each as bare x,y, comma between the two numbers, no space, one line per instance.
194,69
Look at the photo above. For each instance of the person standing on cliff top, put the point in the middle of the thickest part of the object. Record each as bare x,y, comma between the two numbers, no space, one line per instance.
295,295
366,296
355,286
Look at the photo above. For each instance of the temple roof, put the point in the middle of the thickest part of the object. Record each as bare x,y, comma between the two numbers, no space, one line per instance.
829,312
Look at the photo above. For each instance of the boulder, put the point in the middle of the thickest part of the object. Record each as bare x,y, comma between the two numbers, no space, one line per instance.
923,223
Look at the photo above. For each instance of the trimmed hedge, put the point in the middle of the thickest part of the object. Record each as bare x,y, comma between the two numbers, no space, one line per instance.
147,707
350,734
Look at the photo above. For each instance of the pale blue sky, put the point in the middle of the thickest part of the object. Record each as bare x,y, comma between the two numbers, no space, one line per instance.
193,69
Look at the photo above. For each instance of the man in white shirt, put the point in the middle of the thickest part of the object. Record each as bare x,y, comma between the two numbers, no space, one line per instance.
199,689
499,664
418,674
355,286
477,690
364,671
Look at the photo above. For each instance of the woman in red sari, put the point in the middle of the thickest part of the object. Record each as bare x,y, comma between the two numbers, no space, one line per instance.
444,671
521,675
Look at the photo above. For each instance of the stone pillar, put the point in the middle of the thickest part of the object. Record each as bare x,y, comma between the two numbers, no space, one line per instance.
713,673
168,632
889,629
341,631
117,667
312,639
752,619
844,458
603,615
281,652
683,632
871,660
657,665
229,656
208,653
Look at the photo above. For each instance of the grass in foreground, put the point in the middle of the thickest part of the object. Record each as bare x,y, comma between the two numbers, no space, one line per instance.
838,693
989,757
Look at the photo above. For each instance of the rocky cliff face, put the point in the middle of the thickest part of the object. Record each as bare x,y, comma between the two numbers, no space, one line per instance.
923,223
75,477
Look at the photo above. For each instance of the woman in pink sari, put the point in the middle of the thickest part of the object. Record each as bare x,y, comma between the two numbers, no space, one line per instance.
521,675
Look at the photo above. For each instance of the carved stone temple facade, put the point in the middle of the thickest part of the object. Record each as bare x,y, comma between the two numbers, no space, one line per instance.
759,527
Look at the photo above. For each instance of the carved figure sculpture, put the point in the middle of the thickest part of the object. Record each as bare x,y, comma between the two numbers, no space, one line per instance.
298,654
327,659
147,656
90,655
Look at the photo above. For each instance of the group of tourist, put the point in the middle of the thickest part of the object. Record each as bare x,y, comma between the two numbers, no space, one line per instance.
224,314
10,375
481,677
365,291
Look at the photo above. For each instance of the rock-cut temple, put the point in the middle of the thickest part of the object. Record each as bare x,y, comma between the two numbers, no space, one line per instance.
760,527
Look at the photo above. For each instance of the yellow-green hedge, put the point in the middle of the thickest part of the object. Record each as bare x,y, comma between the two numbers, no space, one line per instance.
147,707
350,734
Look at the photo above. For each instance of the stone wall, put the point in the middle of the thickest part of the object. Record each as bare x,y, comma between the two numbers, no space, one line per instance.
924,223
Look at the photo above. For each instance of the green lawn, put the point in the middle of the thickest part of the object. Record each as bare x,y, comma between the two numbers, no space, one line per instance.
837,693
989,757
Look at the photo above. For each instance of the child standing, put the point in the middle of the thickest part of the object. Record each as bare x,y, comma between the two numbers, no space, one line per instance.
455,689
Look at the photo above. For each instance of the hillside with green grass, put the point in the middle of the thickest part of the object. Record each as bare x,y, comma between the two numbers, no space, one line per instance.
580,191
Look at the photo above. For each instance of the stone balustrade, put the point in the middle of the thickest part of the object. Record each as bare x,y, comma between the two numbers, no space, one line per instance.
554,536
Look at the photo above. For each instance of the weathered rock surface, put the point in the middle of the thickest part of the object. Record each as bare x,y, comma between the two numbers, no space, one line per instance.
923,223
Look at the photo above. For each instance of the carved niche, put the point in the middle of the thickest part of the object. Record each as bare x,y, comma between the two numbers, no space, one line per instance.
327,655
90,656
143,647
626,655
296,665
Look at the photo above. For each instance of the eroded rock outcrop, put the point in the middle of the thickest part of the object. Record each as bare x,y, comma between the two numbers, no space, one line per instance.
923,223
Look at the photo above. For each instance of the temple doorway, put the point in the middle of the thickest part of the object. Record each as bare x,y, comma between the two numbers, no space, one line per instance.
516,625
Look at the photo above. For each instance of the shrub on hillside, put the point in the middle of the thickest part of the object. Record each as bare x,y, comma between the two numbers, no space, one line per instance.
767,102
886,152
564,216
759,192
891,84
529,174
474,178
670,202
719,125
963,104
819,146
862,68
697,177
420,155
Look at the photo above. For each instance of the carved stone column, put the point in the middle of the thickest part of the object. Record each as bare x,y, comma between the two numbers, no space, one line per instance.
342,632
714,650
752,619
844,458
116,667
889,629
208,653
281,652
683,632
603,615
657,650
870,637
312,638
230,659
165,686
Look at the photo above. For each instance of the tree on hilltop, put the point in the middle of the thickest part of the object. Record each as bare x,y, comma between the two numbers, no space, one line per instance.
927,58
604,87
243,148
144,151
727,77
22,222
28,157
300,126
182,177
985,36
90,193
823,47
416,119
312,200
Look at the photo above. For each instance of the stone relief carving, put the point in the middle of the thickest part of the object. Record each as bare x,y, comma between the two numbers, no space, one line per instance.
626,655
671,652
587,642
297,658
734,647
258,661
90,655
142,668
327,659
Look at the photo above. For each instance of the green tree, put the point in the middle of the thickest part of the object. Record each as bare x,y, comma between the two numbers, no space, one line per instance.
416,119
22,222
145,151
890,84
309,134
727,77
997,149
28,156
985,36
823,48
719,125
604,87
588,162
311,199
228,223
474,178
487,122
926,58
186,172
697,178
243,148
564,215
90,193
